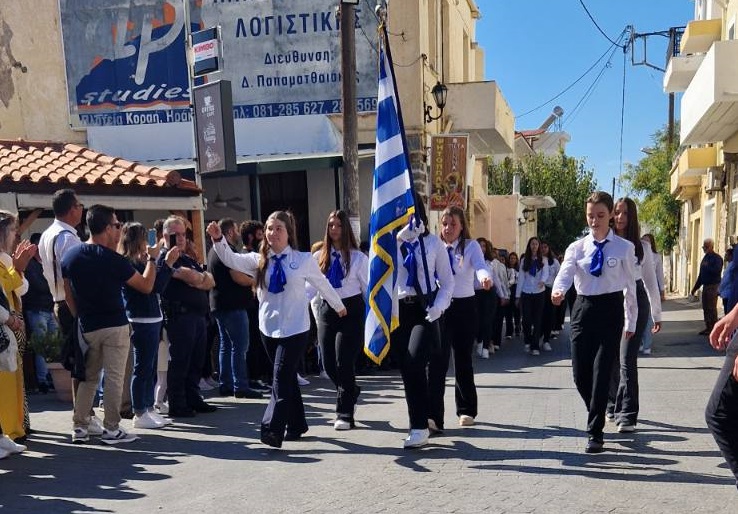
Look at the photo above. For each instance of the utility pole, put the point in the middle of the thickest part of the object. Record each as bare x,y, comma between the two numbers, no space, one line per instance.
350,123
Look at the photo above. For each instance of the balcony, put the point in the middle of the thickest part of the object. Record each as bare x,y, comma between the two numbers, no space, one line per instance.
680,71
693,163
700,35
479,109
710,103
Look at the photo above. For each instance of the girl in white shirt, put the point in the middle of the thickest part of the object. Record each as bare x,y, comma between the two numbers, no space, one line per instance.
488,304
530,294
548,308
341,338
512,313
460,321
280,274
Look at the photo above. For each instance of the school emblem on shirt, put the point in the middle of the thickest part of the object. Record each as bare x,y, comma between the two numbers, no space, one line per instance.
612,262
293,265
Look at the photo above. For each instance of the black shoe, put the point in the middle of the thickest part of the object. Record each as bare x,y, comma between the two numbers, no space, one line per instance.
126,414
43,388
204,407
704,333
248,393
258,385
270,439
594,446
184,412
224,391
293,436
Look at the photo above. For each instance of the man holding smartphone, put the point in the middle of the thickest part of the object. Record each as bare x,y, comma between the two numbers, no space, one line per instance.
185,305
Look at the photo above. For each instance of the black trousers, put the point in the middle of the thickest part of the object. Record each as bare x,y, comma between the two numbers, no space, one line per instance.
512,314
532,307
257,359
721,413
285,410
458,327
596,328
487,309
547,316
187,334
412,344
623,400
341,340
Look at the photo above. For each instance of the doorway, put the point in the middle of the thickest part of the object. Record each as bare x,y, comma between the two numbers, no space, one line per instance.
287,192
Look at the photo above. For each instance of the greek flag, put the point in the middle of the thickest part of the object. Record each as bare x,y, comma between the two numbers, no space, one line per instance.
392,205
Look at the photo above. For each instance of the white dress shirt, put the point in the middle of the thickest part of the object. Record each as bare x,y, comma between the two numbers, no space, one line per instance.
499,277
283,314
618,272
529,284
64,243
438,264
646,271
512,276
467,267
553,270
355,281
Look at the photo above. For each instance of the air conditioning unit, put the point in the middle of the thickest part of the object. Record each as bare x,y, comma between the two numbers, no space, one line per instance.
714,180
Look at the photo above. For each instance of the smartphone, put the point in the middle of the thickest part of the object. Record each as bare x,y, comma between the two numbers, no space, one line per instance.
172,240
152,237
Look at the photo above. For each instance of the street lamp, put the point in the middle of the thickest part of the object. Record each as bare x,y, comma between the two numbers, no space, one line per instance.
439,93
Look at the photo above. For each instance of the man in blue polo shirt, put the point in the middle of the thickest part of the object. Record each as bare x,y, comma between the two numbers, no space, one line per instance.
93,277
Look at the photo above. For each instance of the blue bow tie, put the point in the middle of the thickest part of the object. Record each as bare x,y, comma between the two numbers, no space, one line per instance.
335,272
450,250
278,278
411,264
533,270
598,259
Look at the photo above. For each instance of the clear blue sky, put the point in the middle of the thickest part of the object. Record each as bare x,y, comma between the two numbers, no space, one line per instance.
536,48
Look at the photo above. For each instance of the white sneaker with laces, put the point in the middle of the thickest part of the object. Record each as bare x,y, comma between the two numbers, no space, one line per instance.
80,435
145,421
547,346
162,408
416,438
485,353
302,381
341,424
118,436
535,352
10,446
160,419
95,426
466,421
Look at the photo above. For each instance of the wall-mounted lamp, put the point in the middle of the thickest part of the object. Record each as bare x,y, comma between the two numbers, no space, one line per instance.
439,93
527,216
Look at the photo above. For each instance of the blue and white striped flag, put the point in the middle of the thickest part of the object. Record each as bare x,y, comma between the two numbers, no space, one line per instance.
392,205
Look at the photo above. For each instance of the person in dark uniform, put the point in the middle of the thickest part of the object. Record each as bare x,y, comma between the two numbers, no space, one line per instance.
601,266
708,279
185,302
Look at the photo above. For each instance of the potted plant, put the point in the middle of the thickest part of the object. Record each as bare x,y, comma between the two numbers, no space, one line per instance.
49,346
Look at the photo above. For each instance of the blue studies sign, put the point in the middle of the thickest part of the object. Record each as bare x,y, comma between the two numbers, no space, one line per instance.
125,60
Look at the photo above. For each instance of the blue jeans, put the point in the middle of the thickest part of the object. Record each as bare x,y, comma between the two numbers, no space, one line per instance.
233,329
39,323
145,339
647,339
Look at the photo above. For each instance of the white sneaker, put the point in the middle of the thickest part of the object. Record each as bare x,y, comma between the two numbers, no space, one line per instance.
547,346
10,446
302,381
162,408
4,454
480,349
485,353
535,352
433,427
342,424
626,428
80,435
95,426
466,421
146,421
646,351
416,438
159,419
118,436
324,375
204,385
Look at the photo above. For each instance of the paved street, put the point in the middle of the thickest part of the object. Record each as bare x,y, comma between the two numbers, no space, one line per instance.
523,455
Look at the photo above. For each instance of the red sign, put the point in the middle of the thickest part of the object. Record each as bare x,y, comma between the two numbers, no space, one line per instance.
448,171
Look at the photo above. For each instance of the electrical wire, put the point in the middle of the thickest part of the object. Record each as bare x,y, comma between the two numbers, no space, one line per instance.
567,88
597,25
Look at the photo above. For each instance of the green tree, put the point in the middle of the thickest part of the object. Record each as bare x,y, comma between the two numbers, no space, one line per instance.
649,180
563,178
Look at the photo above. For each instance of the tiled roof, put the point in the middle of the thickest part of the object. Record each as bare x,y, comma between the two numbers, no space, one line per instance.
26,163
529,133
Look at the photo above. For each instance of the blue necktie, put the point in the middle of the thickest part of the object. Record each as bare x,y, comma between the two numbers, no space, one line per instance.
278,278
598,259
411,265
335,272
450,250
533,270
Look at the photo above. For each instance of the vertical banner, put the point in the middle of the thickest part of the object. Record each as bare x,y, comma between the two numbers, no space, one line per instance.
216,144
449,160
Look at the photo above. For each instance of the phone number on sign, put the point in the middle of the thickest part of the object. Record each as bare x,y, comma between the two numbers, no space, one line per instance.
300,108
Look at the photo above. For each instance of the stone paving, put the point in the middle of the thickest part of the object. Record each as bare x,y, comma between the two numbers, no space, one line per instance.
523,455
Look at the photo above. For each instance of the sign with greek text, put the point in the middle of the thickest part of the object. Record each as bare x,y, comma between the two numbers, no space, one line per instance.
126,64
448,170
